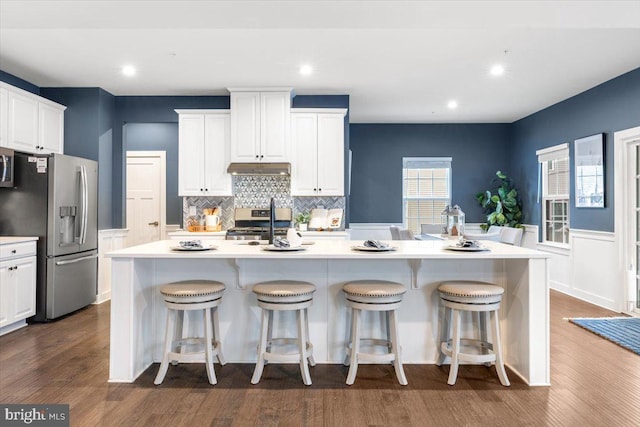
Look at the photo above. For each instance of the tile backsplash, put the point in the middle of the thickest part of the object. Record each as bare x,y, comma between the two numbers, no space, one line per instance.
257,191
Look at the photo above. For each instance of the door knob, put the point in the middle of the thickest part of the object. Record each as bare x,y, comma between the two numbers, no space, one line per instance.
154,223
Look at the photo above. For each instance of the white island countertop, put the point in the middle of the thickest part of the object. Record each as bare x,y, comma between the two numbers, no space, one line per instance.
5,240
329,249
138,312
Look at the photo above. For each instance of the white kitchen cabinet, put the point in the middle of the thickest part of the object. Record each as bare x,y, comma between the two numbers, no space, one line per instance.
4,116
317,168
203,153
260,125
30,123
108,240
17,284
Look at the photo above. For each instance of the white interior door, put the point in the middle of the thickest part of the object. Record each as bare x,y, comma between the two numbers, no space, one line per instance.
627,213
146,210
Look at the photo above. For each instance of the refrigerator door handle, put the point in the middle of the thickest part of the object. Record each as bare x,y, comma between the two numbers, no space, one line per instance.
73,261
84,195
5,166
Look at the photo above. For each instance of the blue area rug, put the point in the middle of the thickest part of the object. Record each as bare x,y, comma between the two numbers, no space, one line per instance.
624,331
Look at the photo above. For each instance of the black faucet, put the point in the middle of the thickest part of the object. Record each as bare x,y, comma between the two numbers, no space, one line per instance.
272,220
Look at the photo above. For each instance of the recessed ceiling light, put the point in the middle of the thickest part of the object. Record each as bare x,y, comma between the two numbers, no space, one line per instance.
497,70
306,69
129,70
452,104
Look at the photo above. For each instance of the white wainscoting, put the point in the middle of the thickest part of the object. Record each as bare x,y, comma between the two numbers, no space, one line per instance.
170,228
594,263
108,240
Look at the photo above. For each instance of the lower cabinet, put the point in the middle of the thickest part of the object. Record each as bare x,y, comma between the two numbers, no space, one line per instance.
108,240
17,285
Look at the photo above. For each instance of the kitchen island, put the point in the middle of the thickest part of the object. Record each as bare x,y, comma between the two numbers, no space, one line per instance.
138,312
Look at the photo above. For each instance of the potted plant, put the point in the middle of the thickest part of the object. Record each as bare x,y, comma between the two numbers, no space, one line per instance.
502,206
302,219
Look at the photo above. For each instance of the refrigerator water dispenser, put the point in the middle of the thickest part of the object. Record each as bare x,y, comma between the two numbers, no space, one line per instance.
67,224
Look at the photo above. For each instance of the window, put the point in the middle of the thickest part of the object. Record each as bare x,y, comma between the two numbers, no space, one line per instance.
426,190
554,167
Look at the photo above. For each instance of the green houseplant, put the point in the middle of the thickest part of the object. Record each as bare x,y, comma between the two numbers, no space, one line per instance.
502,206
302,219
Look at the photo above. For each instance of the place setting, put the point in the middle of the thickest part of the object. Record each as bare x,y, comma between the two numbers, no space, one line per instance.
192,246
464,245
374,246
292,243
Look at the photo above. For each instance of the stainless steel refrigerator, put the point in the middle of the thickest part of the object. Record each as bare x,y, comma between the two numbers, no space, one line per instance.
55,198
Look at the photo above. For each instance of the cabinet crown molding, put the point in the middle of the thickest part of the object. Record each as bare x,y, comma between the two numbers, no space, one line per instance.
315,110
205,111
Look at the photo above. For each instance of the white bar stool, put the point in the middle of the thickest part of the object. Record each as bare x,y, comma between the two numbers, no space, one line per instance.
484,298
184,296
284,295
374,295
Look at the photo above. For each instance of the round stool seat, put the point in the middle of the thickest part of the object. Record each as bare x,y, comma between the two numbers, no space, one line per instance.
374,291
469,292
284,291
192,291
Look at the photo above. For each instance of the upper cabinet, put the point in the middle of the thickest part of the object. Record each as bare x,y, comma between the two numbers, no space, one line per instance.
260,125
203,153
317,137
29,122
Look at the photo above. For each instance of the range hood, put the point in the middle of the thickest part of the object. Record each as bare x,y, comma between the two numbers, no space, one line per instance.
259,168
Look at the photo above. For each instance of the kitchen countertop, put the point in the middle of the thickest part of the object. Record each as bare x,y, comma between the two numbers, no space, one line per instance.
329,249
5,240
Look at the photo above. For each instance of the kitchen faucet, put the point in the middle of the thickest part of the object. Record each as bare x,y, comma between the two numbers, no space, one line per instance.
272,220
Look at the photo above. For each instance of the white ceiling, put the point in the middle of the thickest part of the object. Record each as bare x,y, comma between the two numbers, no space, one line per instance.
400,61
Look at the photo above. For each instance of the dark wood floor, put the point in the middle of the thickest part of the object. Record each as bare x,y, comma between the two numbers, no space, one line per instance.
594,383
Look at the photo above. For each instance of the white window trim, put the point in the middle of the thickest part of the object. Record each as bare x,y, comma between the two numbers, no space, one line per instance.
433,162
556,152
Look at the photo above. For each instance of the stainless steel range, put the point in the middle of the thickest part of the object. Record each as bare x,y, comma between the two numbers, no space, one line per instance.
253,223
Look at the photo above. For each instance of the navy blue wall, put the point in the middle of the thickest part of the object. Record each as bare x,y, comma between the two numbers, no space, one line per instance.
607,108
149,109
160,137
18,82
477,151
106,110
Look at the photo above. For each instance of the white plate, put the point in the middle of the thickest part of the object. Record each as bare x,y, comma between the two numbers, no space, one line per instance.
276,249
369,249
186,249
469,249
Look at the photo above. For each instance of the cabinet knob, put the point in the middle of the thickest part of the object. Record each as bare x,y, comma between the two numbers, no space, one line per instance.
319,189
261,156
13,251
257,156
206,189
202,189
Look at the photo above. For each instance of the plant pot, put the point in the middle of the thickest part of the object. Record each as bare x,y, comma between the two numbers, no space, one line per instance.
302,227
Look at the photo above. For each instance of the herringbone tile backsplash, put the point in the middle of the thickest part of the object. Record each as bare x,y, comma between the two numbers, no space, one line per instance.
256,192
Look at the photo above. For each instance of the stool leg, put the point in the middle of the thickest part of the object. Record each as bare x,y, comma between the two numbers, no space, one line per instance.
497,349
349,351
217,342
270,331
179,333
302,346
444,334
168,340
395,348
355,345
208,349
484,342
312,361
455,348
262,347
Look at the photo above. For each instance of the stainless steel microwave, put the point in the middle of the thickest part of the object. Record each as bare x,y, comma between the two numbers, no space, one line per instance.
6,167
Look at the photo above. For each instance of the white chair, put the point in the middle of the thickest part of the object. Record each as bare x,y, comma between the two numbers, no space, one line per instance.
395,232
511,235
406,234
430,228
